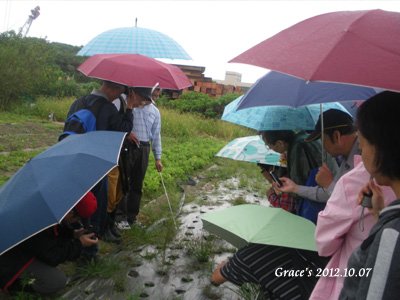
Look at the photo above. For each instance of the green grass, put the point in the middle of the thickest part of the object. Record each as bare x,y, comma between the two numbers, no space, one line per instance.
200,249
104,268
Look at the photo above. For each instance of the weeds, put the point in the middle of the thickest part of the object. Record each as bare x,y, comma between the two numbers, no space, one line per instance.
249,291
210,293
200,249
104,268
239,201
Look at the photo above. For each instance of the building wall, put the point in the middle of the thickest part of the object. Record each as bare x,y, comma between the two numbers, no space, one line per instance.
202,84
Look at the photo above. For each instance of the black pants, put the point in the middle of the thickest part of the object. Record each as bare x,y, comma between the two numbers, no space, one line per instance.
138,162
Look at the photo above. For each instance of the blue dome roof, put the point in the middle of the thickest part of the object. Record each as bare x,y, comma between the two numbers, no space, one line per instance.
135,40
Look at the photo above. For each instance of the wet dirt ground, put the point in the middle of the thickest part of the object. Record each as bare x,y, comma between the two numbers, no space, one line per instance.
172,273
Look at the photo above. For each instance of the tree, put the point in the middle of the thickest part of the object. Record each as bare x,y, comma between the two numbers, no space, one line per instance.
27,68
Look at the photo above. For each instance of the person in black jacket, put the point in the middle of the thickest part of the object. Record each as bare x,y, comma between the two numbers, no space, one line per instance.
37,258
107,118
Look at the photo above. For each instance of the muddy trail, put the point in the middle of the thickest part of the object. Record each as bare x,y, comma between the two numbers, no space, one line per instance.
182,269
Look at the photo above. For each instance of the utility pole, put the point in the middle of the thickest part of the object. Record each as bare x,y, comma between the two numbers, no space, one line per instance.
23,31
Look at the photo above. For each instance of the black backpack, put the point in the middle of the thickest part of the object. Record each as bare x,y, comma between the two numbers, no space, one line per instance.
83,119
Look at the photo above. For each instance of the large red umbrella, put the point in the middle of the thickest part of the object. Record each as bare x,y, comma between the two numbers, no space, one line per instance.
134,70
357,47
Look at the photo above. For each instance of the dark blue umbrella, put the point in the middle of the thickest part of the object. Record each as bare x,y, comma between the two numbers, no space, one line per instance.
276,88
45,189
135,40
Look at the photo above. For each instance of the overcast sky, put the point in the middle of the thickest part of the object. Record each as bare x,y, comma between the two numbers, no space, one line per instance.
212,32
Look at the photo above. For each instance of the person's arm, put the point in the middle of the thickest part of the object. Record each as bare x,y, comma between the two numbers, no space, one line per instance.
334,221
156,141
315,193
216,277
54,250
384,263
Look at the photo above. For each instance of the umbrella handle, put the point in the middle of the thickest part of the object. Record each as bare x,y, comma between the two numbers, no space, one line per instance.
322,133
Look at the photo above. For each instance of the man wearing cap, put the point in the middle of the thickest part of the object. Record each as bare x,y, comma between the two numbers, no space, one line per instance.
147,129
39,256
340,141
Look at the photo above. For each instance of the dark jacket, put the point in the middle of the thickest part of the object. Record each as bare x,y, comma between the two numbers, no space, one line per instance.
52,246
373,270
302,157
108,117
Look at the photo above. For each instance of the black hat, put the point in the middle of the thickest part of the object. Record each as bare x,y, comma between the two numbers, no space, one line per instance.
333,118
144,92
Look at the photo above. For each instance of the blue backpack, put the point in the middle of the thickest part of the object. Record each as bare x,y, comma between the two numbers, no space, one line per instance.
83,120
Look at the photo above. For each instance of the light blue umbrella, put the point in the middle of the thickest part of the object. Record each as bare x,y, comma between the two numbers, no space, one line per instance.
276,88
135,40
276,117
42,192
251,149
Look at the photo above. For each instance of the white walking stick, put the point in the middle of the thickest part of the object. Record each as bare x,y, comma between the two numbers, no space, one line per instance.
169,203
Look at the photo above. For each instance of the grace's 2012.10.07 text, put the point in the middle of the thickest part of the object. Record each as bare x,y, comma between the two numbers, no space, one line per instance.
323,272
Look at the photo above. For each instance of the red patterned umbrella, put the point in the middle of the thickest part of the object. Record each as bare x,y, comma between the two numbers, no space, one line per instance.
357,47
134,70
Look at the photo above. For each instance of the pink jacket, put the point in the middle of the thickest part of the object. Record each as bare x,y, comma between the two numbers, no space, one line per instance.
338,230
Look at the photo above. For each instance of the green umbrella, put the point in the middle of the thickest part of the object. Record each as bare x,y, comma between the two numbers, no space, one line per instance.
251,223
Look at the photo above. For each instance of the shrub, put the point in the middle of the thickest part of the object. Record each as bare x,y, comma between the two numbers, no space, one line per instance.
26,68
199,103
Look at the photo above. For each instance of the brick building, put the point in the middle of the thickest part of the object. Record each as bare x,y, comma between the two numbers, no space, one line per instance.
202,84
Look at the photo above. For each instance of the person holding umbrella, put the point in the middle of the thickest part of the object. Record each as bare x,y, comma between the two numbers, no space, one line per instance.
340,141
147,129
39,256
257,262
107,118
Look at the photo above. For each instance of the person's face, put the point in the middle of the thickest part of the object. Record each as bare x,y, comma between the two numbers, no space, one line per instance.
279,146
117,93
331,144
368,152
156,94
137,99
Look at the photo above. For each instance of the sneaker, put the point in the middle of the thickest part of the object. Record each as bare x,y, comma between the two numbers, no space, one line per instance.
115,231
123,225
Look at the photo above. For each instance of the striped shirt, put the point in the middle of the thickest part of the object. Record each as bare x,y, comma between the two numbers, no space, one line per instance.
147,127
262,264
376,263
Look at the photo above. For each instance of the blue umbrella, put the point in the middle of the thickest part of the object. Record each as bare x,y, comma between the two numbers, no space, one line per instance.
42,192
276,117
134,40
276,88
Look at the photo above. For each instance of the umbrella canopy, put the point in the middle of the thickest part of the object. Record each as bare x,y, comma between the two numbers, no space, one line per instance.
276,117
356,47
134,70
251,149
42,192
276,88
135,40
250,223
